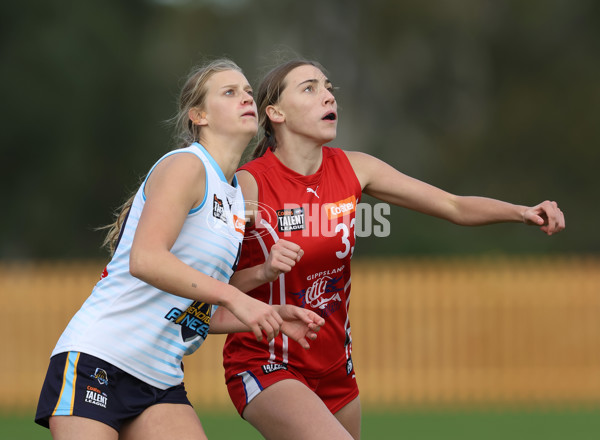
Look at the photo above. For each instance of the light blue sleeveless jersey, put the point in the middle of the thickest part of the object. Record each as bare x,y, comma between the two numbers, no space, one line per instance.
141,329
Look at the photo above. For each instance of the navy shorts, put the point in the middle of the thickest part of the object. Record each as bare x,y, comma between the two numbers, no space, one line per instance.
78,384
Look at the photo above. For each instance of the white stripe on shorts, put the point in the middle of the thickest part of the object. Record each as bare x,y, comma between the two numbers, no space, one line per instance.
252,386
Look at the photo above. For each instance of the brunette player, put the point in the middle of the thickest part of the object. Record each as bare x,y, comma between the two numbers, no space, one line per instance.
304,196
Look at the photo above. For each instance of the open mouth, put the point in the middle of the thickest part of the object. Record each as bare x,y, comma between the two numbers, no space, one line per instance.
250,114
329,117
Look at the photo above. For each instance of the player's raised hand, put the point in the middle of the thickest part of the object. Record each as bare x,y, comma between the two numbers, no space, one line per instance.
547,215
283,257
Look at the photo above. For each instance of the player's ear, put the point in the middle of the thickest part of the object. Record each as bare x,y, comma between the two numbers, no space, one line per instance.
197,116
275,114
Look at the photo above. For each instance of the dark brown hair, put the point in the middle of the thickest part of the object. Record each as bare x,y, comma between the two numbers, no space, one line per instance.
269,91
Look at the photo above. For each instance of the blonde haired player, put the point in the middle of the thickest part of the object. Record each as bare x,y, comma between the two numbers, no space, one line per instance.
117,371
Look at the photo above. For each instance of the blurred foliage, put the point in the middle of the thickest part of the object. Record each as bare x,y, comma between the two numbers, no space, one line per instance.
497,98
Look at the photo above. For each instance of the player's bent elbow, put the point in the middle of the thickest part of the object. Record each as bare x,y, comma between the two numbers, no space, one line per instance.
139,266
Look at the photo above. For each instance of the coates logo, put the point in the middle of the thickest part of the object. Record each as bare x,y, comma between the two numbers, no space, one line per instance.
341,207
323,295
239,224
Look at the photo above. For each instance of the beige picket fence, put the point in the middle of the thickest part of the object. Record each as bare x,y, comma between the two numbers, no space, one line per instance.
426,332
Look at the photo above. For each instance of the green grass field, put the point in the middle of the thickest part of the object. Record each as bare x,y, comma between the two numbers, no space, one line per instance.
384,425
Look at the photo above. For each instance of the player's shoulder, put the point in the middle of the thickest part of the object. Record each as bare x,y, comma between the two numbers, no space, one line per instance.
259,165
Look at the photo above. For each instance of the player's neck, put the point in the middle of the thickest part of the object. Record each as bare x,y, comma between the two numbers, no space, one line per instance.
304,160
226,155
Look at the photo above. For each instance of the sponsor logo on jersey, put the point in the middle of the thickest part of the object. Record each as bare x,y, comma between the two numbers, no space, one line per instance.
291,219
323,295
341,207
270,368
239,224
96,397
101,376
219,209
194,321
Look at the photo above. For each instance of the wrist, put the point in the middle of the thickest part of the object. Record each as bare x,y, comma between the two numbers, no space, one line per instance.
268,274
523,211
262,276
228,296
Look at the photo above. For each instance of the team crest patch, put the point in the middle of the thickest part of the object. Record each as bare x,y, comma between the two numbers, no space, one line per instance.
101,376
290,219
219,209
349,366
194,321
271,368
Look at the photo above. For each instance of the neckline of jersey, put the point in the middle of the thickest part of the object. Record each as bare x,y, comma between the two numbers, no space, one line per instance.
307,180
216,166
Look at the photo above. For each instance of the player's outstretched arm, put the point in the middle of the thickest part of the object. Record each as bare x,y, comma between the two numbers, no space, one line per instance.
382,181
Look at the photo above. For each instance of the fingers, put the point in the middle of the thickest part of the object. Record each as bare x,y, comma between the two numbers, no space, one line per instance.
558,217
313,329
310,318
554,219
257,332
266,321
269,326
300,324
317,320
311,335
283,256
304,343
287,252
547,215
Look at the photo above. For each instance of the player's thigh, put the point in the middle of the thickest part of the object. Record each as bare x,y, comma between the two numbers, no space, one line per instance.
76,428
289,409
349,417
164,421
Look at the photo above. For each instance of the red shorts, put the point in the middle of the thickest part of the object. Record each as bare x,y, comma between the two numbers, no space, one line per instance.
336,388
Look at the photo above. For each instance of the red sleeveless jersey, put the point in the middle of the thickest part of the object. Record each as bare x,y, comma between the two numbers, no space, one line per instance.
318,213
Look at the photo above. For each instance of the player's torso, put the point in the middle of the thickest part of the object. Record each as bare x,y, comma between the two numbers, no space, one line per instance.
316,212
146,331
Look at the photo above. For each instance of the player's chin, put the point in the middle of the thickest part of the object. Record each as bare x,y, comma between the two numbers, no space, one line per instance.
329,136
326,134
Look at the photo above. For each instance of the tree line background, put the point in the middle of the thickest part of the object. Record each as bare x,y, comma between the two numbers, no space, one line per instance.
498,98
